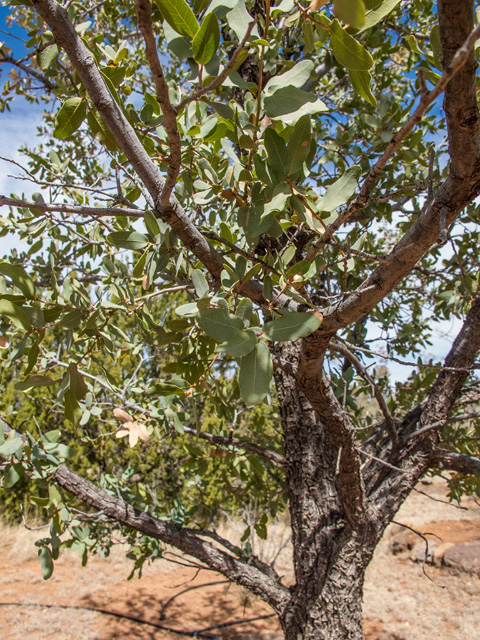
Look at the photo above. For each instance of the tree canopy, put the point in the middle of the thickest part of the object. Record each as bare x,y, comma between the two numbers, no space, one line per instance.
242,210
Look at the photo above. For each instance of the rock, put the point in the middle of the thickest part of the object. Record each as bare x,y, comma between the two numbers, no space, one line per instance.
439,552
402,541
463,557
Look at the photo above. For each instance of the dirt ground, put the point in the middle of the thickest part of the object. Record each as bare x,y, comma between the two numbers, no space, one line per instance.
401,603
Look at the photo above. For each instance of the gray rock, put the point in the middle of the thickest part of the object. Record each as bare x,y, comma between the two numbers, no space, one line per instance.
463,557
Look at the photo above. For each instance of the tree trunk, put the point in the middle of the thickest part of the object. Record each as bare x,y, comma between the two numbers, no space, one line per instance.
337,614
329,554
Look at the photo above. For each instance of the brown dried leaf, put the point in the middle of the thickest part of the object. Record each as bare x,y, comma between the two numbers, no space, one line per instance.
122,415
315,5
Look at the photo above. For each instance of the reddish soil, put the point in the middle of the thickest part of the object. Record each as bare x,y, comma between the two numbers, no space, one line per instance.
400,602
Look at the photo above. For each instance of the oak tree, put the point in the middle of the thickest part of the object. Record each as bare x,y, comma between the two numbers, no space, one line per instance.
291,171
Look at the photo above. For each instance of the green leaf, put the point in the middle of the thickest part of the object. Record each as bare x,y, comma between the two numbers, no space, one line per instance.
100,131
34,381
19,278
307,32
46,562
179,16
128,240
375,15
11,476
255,374
361,81
72,319
10,447
167,388
219,324
341,190
73,412
151,223
276,152
239,345
206,40
77,383
298,146
115,74
17,316
200,5
200,283
46,57
348,51
238,20
291,326
244,310
70,117
289,104
297,76
350,11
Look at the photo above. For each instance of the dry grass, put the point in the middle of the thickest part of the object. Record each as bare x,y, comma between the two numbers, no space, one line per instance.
400,602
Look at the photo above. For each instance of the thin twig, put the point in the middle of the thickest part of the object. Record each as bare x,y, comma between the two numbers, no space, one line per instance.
65,207
362,371
442,423
222,76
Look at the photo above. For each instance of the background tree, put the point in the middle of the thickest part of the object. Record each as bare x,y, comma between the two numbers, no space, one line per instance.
284,166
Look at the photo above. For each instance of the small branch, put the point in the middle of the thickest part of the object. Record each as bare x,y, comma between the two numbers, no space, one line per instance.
442,423
48,84
406,363
362,371
362,199
222,76
144,12
273,456
71,208
451,460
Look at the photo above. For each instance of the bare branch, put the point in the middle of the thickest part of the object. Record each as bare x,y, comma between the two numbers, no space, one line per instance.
442,423
64,207
48,84
362,371
144,12
234,569
454,461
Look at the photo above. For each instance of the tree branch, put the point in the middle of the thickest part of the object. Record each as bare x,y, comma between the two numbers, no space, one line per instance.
362,371
342,437
234,569
48,84
144,12
64,207
455,63
239,570
451,460
173,214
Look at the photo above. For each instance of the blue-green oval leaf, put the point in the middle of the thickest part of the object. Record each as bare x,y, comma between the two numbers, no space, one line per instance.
291,326
219,324
255,374
206,40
